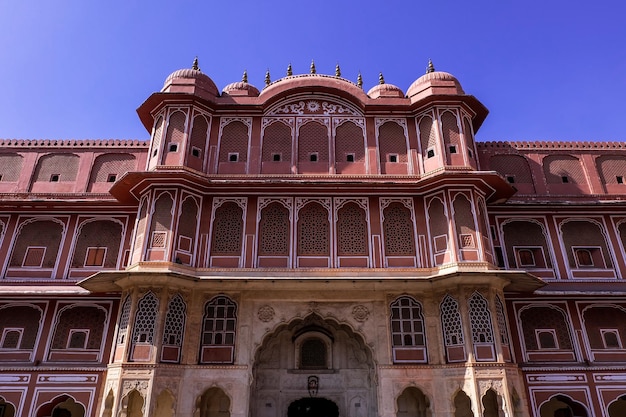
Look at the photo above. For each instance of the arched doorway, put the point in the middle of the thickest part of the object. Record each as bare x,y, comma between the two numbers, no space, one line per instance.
562,406
62,406
413,402
313,407
313,347
618,407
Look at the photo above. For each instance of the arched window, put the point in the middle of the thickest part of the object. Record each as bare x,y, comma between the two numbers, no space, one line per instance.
313,354
174,329
452,330
503,329
78,328
398,230
408,336
98,244
144,327
124,320
352,235
480,319
546,333
19,329
227,230
482,328
219,326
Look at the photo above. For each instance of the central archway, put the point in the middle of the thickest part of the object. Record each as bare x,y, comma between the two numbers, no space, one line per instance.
313,407
323,348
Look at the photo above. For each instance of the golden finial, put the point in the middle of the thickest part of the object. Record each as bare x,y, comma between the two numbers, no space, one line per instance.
359,80
195,64
431,67
337,70
313,67
245,76
267,78
289,70
381,79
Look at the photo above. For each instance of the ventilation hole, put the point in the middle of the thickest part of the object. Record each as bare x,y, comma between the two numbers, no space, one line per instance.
173,147
350,157
154,153
195,152
276,157
111,178
619,178
565,179
452,149
430,153
393,158
54,178
510,179
313,157
233,157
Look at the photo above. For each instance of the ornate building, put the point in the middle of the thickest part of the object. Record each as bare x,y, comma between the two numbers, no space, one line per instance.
312,250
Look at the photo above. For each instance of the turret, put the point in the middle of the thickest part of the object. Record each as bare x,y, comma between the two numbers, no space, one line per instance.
446,122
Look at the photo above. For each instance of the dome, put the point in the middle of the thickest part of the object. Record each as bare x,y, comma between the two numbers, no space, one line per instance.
438,81
186,77
241,88
385,90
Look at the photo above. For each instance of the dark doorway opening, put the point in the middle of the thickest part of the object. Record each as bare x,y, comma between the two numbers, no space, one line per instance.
313,407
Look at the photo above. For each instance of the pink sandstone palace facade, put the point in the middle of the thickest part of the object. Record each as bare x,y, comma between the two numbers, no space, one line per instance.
314,250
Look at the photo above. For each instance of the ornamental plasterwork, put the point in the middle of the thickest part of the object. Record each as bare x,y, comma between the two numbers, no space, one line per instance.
406,202
379,121
442,200
331,108
304,120
240,201
266,121
266,313
226,120
287,202
324,201
490,384
140,386
340,201
360,313
291,108
322,107
338,121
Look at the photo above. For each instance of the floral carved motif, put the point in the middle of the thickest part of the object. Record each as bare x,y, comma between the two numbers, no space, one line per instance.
266,313
360,313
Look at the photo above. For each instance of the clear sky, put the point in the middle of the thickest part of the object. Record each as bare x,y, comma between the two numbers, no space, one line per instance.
546,69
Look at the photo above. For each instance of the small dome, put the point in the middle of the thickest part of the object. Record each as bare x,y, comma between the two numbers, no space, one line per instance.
434,79
241,89
385,90
188,76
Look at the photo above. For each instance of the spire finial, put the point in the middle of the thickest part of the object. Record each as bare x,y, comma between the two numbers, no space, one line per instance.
359,81
289,70
337,70
313,71
431,67
268,80
195,64
245,76
381,79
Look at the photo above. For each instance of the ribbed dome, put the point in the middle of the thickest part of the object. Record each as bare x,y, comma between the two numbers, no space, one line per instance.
193,76
438,78
241,88
385,90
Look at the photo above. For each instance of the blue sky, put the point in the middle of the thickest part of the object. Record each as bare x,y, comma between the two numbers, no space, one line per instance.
546,70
